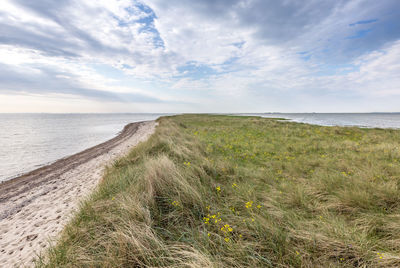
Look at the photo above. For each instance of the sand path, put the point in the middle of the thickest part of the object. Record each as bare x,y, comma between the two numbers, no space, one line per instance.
35,207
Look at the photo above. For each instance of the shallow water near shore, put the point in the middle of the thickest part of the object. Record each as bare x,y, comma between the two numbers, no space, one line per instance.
366,120
29,141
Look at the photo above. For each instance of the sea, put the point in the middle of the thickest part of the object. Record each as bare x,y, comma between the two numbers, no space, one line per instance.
364,120
30,141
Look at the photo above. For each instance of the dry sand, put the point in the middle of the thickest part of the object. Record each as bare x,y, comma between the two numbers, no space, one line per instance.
35,207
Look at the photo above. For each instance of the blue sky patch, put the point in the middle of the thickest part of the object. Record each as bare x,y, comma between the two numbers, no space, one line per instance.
359,34
360,22
195,71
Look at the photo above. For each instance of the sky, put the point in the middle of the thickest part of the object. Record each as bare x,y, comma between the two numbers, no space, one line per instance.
180,56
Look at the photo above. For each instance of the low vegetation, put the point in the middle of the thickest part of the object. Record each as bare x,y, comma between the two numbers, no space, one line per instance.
227,191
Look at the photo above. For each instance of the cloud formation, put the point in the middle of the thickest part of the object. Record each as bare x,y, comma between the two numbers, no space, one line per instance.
208,56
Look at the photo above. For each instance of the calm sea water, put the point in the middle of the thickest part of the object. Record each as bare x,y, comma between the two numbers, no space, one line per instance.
29,141
367,120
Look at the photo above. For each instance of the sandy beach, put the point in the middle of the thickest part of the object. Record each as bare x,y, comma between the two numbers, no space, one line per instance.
35,207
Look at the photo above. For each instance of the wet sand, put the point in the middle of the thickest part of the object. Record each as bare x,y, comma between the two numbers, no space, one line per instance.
35,207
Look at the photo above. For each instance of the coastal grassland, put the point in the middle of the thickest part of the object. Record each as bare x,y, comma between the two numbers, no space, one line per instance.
227,191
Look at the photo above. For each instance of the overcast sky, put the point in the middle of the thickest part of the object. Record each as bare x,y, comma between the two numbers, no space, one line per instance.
199,56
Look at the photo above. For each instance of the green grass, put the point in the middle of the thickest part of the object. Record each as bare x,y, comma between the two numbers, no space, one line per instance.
226,191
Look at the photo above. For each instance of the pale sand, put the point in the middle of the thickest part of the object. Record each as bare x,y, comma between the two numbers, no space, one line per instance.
35,207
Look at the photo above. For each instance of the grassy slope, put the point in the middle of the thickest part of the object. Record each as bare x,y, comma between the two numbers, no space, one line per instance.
218,191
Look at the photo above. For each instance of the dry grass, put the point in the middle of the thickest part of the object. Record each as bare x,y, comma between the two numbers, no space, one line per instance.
219,191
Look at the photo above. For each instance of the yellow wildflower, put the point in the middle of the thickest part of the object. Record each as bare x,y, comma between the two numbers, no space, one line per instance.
226,239
249,204
218,188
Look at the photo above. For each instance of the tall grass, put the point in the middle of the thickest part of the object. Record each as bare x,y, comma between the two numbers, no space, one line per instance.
220,191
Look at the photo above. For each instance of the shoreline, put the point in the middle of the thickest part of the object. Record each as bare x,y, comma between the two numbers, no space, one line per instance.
319,119
34,207
35,176
19,175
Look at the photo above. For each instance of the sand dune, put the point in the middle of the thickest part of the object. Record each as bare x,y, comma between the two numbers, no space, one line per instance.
35,207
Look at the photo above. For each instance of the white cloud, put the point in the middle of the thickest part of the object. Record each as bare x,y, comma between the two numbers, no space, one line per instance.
379,72
210,54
